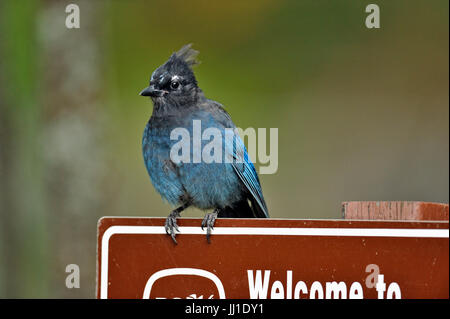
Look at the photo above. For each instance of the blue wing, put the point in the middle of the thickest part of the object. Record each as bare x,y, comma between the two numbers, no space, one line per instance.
241,162
245,169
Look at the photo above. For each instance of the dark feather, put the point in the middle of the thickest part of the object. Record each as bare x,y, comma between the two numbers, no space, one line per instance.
187,54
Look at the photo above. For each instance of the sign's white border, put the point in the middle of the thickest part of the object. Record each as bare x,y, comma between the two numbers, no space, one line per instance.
347,232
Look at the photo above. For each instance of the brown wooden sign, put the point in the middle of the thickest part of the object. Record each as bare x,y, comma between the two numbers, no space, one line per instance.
273,258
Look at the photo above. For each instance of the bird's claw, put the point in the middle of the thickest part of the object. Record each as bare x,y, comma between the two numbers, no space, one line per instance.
171,226
208,222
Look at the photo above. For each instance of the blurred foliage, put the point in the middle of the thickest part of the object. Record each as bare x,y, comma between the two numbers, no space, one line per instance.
362,114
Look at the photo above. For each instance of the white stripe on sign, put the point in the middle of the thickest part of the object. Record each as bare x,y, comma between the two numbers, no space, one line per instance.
278,231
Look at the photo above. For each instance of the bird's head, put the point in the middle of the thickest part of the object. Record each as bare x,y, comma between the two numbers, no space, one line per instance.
174,83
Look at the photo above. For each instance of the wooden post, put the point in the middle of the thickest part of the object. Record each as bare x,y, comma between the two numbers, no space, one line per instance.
395,211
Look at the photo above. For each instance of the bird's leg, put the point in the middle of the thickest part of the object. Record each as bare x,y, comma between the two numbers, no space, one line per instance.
208,222
171,221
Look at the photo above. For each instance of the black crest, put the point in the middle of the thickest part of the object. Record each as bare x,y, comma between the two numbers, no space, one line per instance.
187,55
181,63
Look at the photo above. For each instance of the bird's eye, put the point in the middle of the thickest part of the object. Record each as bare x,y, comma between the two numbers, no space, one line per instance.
174,85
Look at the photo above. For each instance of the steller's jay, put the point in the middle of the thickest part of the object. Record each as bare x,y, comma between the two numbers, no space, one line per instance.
229,185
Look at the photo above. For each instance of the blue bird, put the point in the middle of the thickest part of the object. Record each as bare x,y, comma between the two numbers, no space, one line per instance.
229,184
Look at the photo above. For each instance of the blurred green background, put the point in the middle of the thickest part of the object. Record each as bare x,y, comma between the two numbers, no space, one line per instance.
363,114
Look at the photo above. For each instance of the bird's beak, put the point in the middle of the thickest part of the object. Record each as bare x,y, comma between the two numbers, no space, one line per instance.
151,91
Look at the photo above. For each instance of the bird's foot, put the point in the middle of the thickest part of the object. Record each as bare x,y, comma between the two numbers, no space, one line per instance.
171,225
208,222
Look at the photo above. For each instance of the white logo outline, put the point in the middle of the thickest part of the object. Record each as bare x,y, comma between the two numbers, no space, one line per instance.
183,271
